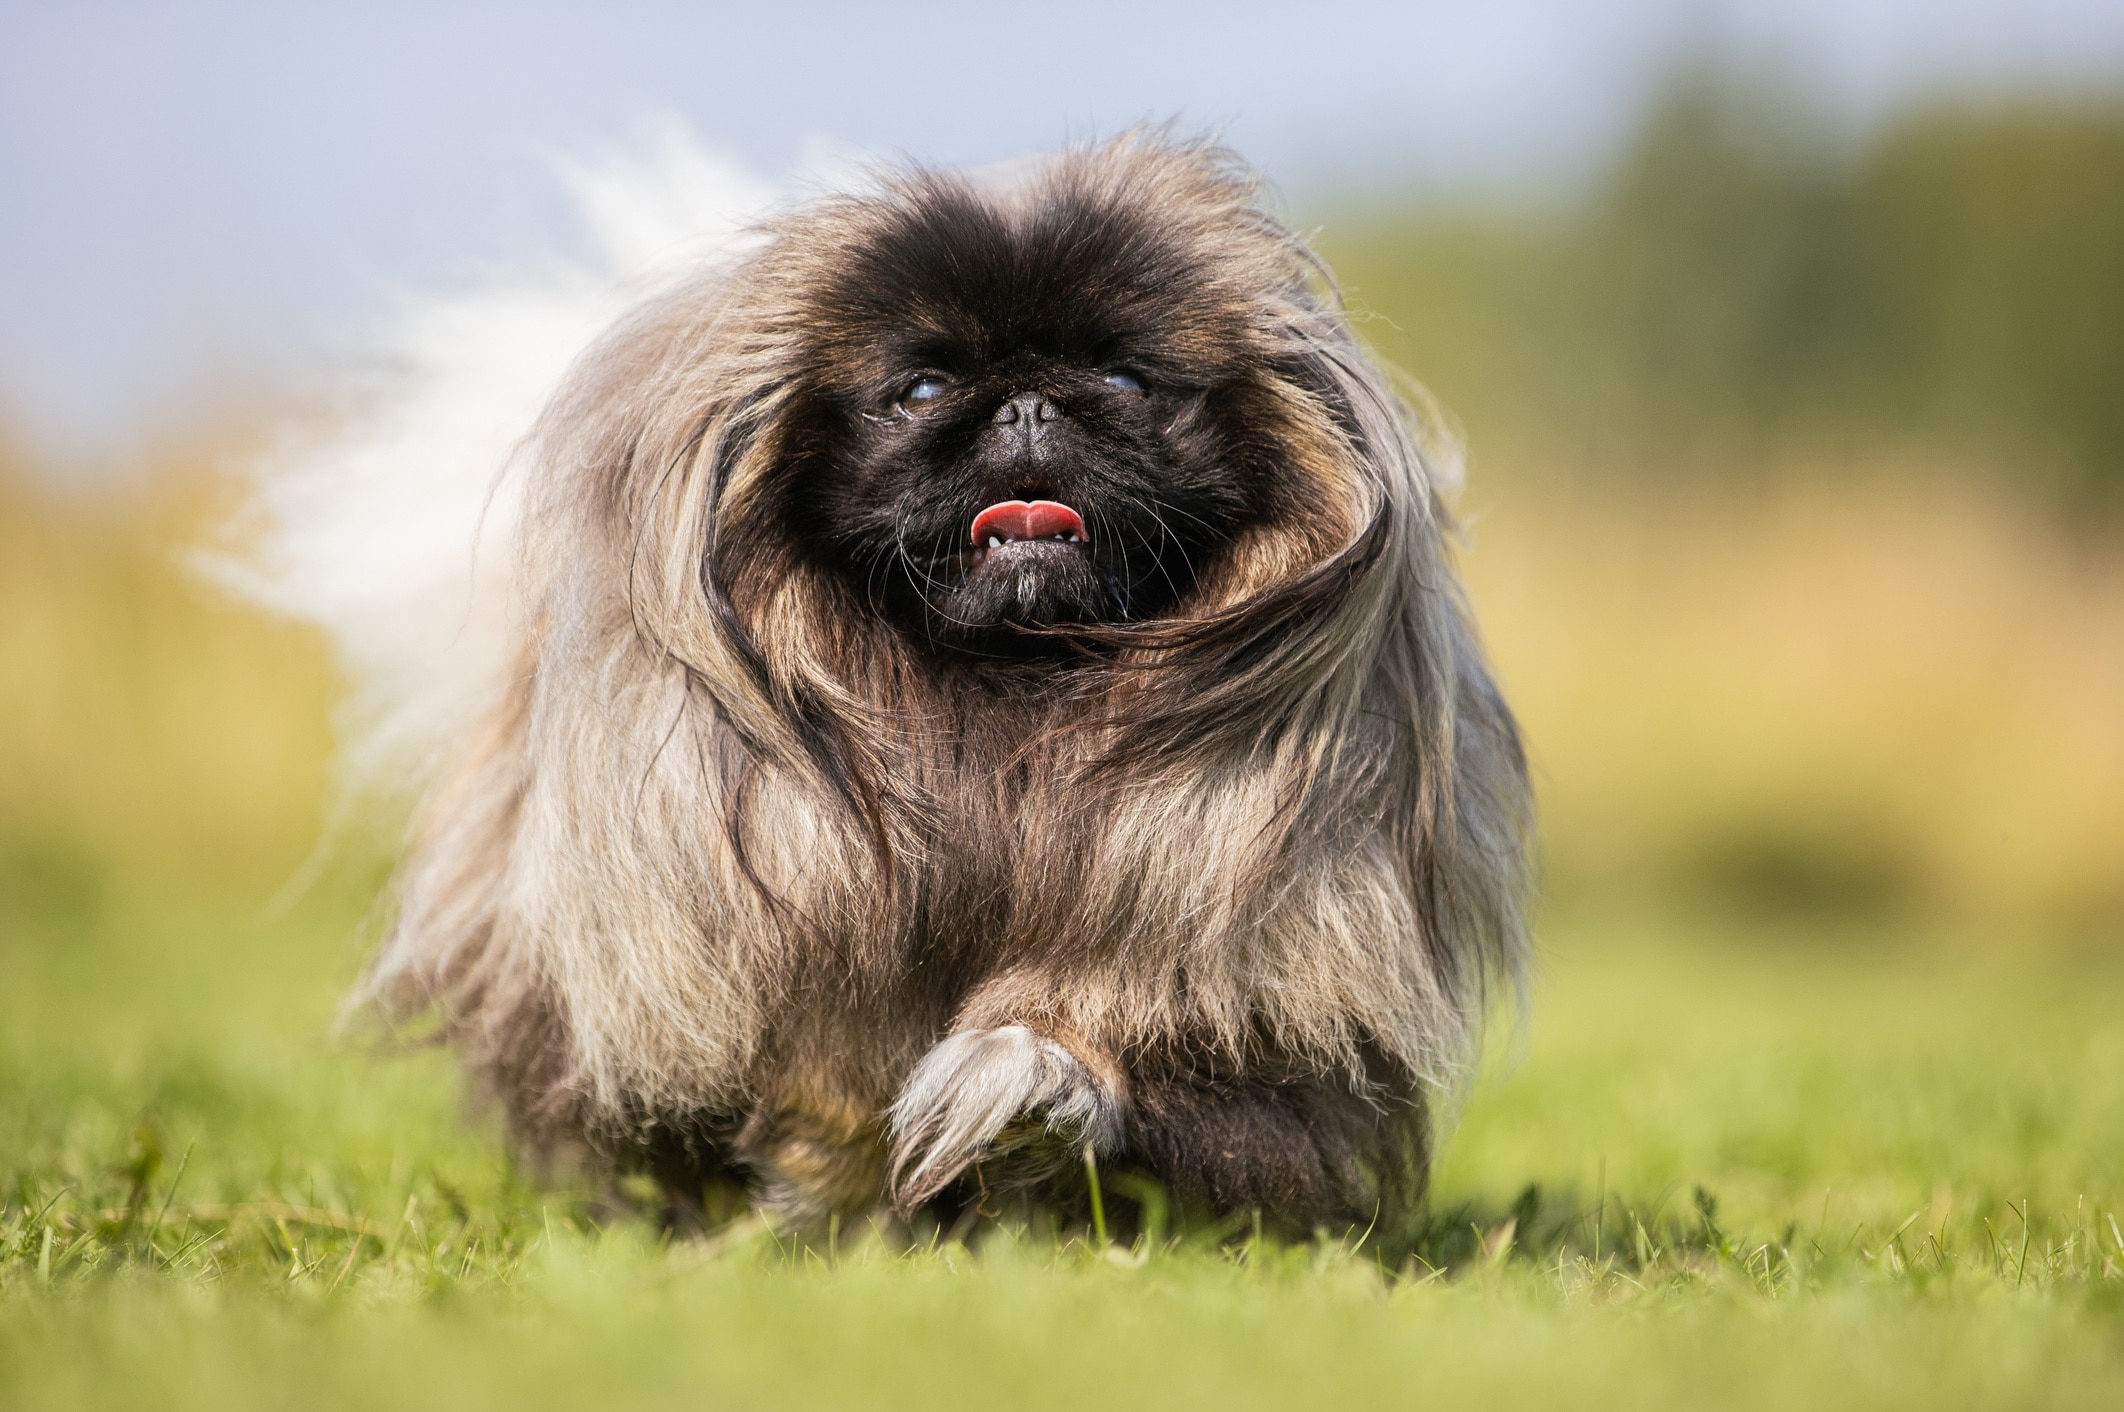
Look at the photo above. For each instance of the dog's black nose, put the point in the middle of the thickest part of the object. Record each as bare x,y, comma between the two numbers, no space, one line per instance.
1032,408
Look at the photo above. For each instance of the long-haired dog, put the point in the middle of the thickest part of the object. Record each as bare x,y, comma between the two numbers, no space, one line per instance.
984,682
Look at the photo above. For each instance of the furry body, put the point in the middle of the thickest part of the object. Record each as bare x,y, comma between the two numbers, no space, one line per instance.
806,843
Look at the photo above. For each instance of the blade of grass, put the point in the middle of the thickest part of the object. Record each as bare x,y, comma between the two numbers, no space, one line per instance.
1098,1204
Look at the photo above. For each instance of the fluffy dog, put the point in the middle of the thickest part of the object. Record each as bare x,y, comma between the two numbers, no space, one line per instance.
988,684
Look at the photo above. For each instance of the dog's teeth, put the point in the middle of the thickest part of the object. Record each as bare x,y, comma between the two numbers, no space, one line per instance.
994,543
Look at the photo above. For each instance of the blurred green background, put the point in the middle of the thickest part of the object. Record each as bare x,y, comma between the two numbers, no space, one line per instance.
1795,521
1798,476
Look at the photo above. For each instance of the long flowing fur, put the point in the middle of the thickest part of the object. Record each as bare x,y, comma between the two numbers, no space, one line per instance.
727,874
391,519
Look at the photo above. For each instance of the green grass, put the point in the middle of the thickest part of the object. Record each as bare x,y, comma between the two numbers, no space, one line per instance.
1728,1161
1720,1165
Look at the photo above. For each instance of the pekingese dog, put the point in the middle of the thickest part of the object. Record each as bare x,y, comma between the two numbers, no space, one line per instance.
990,689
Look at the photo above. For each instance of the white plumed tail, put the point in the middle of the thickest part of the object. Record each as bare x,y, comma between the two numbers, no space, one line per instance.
392,527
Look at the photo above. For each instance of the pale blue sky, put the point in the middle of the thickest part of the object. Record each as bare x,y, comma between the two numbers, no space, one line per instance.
198,196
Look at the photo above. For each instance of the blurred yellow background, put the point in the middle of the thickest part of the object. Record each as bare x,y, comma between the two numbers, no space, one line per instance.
1795,520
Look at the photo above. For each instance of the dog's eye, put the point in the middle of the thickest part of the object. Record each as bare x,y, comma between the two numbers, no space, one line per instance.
1123,380
921,390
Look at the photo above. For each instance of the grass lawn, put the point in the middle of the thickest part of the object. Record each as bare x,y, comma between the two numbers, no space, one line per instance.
1725,1162
1721,1164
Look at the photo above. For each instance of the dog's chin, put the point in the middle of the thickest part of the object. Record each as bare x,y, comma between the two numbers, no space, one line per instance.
1027,584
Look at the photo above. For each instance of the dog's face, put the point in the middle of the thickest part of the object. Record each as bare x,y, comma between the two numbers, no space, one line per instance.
1025,417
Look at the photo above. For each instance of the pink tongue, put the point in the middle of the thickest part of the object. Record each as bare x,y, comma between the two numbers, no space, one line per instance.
1015,519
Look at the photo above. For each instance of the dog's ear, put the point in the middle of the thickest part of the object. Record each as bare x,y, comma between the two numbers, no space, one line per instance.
646,467
675,433
1463,827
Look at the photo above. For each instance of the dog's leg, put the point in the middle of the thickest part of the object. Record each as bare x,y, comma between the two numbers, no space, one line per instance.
983,1093
1309,1152
813,1150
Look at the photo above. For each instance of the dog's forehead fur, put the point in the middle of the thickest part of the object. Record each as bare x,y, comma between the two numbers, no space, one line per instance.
1118,256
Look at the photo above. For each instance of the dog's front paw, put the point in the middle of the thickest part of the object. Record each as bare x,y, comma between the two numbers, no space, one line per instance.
974,1085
